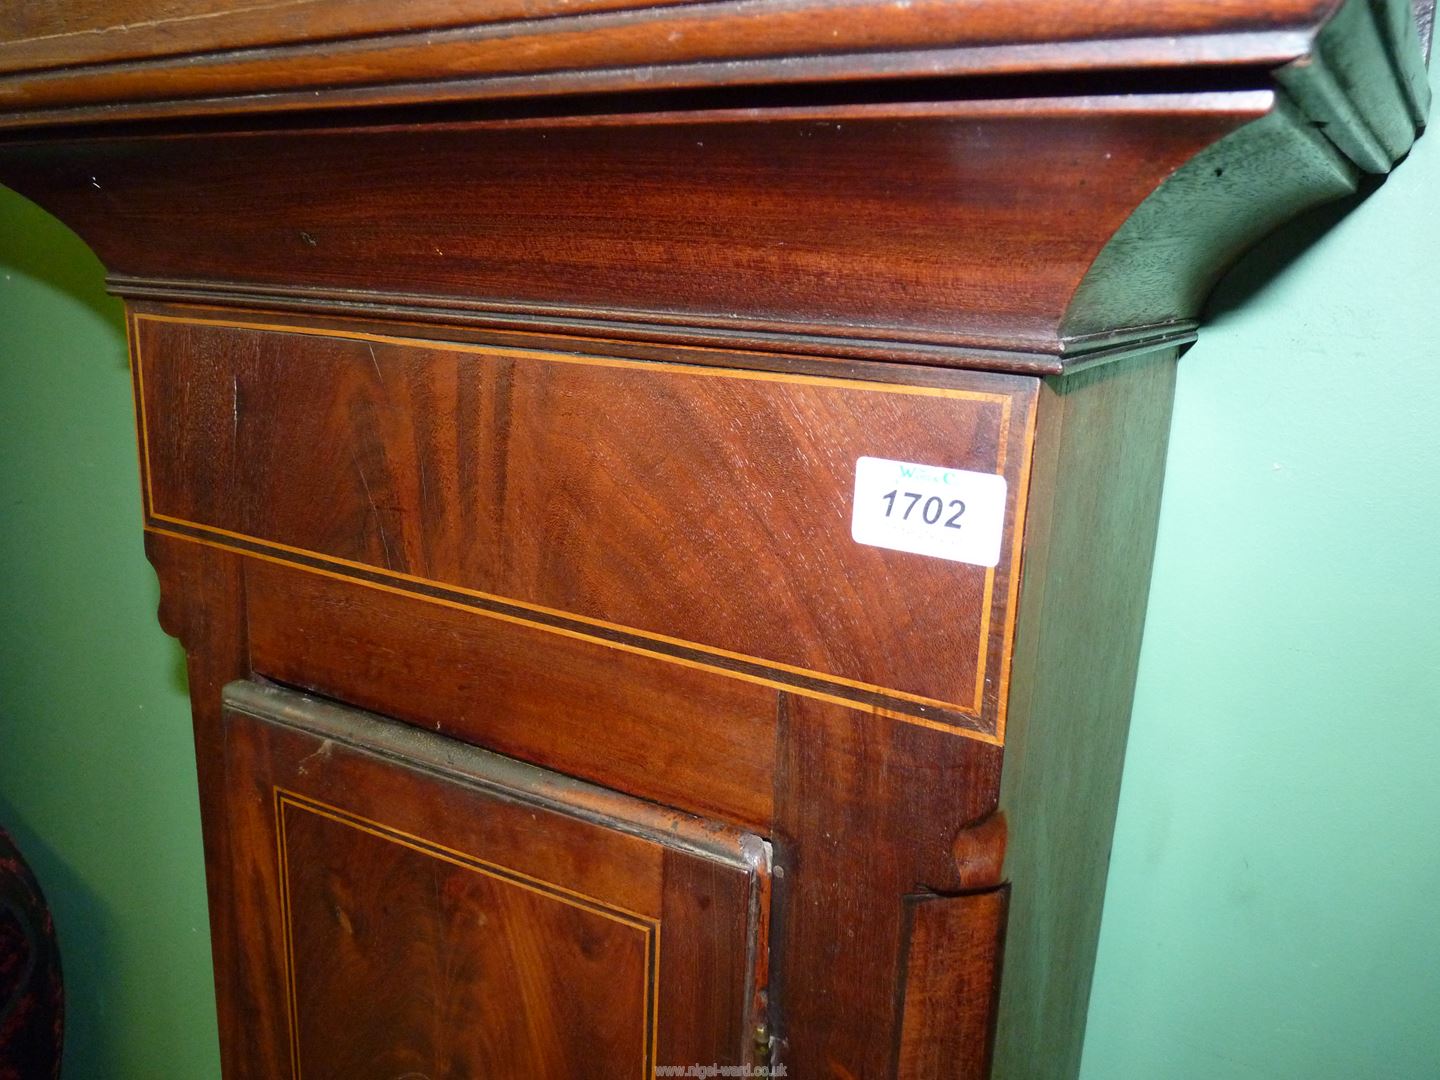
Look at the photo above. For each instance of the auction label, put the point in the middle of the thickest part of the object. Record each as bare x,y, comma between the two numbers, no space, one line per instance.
950,514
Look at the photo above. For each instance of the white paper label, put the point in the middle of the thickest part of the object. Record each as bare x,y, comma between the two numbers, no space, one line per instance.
926,510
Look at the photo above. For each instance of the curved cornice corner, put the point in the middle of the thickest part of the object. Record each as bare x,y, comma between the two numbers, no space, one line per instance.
1354,104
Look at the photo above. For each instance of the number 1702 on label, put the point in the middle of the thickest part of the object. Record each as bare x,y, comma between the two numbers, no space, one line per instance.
944,513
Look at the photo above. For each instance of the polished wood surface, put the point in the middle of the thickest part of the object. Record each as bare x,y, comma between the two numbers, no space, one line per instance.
149,59
450,913
953,949
779,231
682,735
501,373
37,37
489,478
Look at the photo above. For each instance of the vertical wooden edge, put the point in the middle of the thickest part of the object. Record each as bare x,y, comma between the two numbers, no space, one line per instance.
782,837
757,977
953,947
1021,444
137,400
866,814
712,964
287,931
203,604
1090,539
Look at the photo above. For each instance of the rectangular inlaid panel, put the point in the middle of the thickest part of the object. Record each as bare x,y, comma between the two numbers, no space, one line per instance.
441,911
496,975
701,514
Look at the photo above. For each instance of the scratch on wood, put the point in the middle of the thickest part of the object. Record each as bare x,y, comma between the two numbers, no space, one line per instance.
374,509
323,752
146,24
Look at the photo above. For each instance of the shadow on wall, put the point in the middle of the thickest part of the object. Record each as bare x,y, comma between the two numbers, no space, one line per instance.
96,766
29,241
73,905
1270,257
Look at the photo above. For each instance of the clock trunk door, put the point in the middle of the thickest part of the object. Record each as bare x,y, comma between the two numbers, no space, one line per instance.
415,907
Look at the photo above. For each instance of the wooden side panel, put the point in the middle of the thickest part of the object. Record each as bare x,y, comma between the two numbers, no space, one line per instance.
697,513
202,603
866,814
951,984
431,909
485,974
690,888
1090,539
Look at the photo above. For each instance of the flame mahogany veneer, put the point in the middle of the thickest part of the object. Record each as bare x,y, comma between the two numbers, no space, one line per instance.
501,373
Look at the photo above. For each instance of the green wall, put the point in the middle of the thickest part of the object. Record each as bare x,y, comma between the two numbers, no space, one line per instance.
1274,899
1273,907
97,776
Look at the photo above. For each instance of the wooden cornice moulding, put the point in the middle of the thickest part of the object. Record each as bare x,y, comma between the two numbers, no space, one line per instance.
206,56
1012,215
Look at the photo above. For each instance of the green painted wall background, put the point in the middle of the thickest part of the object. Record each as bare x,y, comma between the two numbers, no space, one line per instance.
1274,899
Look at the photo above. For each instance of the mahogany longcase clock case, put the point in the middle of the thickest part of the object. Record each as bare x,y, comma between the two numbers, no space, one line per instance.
658,499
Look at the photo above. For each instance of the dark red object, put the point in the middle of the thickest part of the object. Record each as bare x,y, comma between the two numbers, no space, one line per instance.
32,995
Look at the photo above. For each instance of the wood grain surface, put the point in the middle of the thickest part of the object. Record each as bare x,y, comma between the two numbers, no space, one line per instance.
677,510
445,912
501,368
114,62
953,951
885,224
682,736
